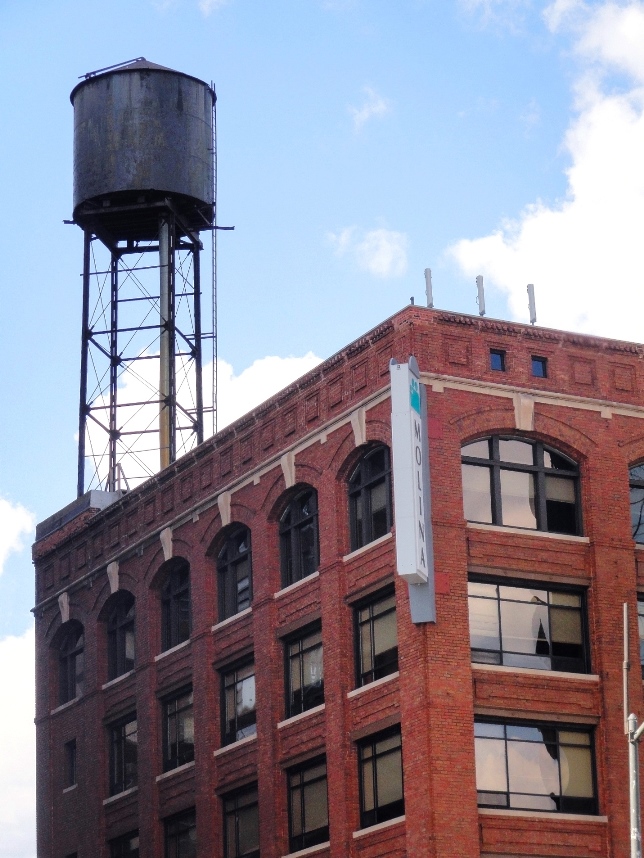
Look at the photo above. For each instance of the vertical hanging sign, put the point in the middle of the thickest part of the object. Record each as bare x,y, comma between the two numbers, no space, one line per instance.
412,497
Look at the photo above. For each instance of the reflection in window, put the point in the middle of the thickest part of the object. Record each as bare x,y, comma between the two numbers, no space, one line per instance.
175,607
71,663
126,846
239,703
123,755
299,537
381,778
534,767
527,627
370,497
520,483
234,573
308,811
305,672
241,824
181,835
636,483
120,637
377,638
178,730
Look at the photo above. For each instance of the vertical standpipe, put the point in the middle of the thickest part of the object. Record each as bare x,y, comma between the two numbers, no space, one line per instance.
166,360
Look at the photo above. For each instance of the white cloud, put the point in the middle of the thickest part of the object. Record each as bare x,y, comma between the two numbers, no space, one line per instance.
583,252
206,7
382,252
15,523
374,106
18,770
508,14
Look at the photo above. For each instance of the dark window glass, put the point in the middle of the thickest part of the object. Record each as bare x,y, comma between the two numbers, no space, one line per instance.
640,625
527,626
234,573
377,638
534,767
239,703
178,730
175,607
181,835
120,637
241,824
497,360
304,671
381,778
299,537
539,367
70,763
71,664
370,498
126,846
123,755
519,483
636,484
308,812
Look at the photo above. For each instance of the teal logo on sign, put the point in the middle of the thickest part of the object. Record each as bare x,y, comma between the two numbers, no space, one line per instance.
414,395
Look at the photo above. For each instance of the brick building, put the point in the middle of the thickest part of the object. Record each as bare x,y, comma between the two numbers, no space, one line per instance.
226,663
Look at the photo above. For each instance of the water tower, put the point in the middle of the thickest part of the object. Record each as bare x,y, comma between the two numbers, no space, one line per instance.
144,190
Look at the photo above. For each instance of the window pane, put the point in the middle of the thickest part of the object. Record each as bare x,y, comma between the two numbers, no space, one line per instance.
379,510
517,499
637,513
576,772
532,768
248,829
557,461
525,628
519,452
477,502
560,505
484,624
566,626
560,489
478,449
368,798
490,765
389,775
385,633
315,804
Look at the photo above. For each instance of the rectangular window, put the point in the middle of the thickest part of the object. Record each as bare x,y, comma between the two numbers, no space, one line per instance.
241,824
381,778
126,846
181,835
539,367
534,767
308,812
70,764
527,626
497,360
304,671
239,714
640,625
376,638
123,755
178,730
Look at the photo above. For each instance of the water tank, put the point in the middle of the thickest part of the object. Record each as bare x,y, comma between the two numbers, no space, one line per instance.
142,134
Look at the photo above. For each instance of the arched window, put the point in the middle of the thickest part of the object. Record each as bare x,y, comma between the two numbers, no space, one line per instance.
120,636
175,606
234,573
520,483
370,497
636,485
299,553
71,665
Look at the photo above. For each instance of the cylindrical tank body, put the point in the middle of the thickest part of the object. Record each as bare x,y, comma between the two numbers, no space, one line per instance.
142,133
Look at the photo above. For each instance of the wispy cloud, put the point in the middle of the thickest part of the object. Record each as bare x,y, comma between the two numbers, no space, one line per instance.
207,7
374,105
505,14
16,523
583,253
382,252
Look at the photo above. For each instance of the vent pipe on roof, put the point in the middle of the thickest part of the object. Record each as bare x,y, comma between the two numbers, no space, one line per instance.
428,287
531,305
480,298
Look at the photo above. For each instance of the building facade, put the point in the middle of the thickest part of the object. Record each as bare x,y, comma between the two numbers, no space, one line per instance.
226,662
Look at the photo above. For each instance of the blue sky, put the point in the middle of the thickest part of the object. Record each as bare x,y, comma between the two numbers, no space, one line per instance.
360,141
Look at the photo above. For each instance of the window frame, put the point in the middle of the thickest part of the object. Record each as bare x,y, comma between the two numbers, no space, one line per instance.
231,810
565,806
540,472
188,819
71,654
121,621
360,488
124,840
70,770
296,786
391,810
176,603
522,583
542,362
292,560
229,560
500,353
173,755
120,742
308,699
636,485
365,677
229,737
640,628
